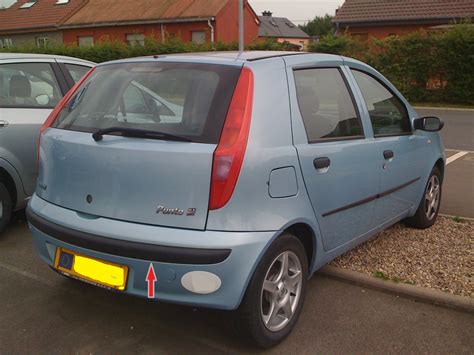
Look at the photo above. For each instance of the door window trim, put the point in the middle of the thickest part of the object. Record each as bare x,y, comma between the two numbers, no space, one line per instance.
353,100
376,136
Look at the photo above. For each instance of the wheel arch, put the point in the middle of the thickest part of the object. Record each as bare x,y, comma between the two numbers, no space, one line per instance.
305,233
441,166
10,177
9,183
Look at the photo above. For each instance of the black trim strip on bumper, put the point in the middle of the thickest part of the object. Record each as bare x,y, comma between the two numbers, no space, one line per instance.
371,198
117,247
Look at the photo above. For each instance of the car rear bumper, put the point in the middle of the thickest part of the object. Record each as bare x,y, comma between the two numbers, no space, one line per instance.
232,256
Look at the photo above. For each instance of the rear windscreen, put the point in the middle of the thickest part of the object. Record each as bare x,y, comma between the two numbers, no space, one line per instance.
184,99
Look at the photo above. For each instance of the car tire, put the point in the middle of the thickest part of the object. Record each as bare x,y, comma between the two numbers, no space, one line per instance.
6,207
253,320
428,208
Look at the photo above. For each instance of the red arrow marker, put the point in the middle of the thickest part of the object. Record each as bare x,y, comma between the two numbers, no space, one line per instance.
151,279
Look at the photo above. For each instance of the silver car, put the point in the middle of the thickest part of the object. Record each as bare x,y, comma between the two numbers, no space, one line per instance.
30,87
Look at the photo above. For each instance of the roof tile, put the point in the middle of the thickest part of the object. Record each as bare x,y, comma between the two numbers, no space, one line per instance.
402,10
111,11
45,14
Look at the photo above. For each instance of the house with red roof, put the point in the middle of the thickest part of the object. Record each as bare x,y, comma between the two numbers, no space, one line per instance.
382,18
86,22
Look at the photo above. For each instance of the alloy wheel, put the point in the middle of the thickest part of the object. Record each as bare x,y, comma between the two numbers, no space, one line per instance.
281,291
432,197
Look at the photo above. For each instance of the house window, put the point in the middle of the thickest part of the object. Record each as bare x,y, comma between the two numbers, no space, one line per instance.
42,42
198,37
85,41
6,42
136,38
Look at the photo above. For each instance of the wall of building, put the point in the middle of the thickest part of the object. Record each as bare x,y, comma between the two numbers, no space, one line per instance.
119,33
382,31
30,38
226,28
227,24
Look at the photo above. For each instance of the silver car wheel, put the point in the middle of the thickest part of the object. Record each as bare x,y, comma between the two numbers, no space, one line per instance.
432,197
281,291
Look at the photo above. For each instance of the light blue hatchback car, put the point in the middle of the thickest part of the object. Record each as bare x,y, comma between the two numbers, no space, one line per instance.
225,180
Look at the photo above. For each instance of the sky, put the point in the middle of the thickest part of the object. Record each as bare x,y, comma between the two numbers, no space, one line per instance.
298,11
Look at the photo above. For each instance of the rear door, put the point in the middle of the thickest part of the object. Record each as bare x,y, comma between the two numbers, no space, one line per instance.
158,180
29,90
338,162
400,151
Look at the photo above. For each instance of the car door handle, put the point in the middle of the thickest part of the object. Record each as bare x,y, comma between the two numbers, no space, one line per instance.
388,154
3,124
322,164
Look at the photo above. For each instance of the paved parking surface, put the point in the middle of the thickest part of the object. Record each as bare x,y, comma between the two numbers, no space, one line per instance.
458,138
42,312
458,131
458,188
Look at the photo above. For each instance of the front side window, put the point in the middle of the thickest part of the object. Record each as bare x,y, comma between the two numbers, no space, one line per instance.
387,112
30,85
326,105
76,71
184,99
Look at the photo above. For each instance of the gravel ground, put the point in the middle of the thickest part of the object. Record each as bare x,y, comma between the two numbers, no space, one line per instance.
441,257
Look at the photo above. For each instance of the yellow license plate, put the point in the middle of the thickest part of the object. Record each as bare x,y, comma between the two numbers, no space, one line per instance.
99,272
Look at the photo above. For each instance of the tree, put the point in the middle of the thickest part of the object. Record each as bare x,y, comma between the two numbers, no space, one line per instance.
319,26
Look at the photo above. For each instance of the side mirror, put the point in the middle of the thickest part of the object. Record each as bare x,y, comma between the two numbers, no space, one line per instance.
428,124
42,100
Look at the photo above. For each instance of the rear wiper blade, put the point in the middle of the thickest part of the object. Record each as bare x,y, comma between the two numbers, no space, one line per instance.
138,133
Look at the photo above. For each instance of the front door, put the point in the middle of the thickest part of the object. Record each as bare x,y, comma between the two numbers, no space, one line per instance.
400,151
339,165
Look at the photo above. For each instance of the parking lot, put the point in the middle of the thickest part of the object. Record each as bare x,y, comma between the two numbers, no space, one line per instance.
42,312
458,138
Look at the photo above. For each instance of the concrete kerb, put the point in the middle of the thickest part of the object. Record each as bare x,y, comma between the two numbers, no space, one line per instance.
401,289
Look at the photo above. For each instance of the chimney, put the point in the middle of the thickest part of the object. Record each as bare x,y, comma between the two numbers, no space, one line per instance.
267,13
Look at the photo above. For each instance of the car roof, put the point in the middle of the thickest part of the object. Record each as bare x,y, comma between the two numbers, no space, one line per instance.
225,57
9,56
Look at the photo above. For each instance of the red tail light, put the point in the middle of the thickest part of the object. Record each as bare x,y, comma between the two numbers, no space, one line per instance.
54,114
229,154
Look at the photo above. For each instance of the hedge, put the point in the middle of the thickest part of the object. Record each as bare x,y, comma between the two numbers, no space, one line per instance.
435,66
427,66
111,50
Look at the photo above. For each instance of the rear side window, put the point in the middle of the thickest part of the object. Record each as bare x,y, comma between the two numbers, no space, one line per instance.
28,85
185,99
387,112
326,105
76,71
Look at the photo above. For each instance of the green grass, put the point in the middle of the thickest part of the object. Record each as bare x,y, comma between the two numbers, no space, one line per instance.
458,219
441,104
381,275
384,276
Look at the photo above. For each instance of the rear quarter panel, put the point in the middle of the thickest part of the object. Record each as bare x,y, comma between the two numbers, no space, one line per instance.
269,147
